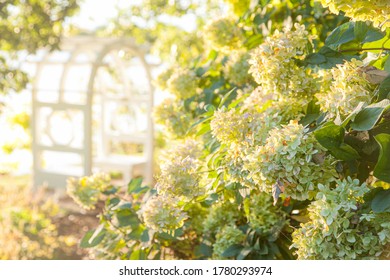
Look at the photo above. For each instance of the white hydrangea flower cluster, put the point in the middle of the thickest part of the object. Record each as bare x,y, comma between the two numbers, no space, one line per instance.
376,11
228,236
238,7
286,109
163,213
237,67
274,68
229,126
233,164
343,88
86,190
173,117
180,176
250,125
223,34
288,159
162,79
242,130
183,83
262,215
337,228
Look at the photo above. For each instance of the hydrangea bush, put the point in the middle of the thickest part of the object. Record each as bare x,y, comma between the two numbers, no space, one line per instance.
278,143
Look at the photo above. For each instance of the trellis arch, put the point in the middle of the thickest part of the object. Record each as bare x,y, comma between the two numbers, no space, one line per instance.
74,95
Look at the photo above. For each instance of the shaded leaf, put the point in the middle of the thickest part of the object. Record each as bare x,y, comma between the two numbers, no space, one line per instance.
277,190
343,34
369,116
384,89
382,168
126,217
145,236
232,251
134,185
331,137
381,202
203,250
244,253
93,237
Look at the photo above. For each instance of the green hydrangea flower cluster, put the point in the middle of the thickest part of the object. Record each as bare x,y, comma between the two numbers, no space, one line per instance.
163,213
173,117
180,175
238,7
338,227
376,11
237,67
197,214
221,214
223,34
288,159
183,83
273,64
228,236
262,215
343,88
86,190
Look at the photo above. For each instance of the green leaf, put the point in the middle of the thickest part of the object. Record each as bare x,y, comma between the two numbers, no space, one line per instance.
93,237
382,168
381,202
112,202
352,35
351,238
178,232
166,236
244,253
386,64
232,251
126,217
203,251
209,108
341,35
331,137
384,42
353,114
254,41
384,89
136,233
369,116
203,129
138,255
212,55
345,152
382,127
326,58
134,185
145,236
365,33
226,97
263,249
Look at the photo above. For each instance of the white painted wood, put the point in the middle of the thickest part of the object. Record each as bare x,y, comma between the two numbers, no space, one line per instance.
93,52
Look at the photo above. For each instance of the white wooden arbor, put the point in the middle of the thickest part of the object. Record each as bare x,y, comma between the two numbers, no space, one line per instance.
92,96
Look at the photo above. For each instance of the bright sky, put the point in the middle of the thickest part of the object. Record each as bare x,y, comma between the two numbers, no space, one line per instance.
95,13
